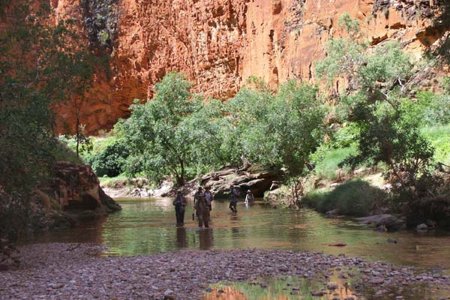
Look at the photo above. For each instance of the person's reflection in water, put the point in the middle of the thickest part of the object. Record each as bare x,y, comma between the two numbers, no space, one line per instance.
206,238
234,232
234,219
234,222
181,237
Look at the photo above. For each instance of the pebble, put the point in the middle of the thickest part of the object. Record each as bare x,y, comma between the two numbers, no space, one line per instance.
50,271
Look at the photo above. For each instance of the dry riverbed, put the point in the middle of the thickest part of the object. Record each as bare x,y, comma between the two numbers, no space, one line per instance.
74,271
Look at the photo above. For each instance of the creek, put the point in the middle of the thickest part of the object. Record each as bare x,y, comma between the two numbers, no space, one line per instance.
148,226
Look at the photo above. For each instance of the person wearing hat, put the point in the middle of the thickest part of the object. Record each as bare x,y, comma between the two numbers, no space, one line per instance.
234,194
209,197
180,205
249,197
201,208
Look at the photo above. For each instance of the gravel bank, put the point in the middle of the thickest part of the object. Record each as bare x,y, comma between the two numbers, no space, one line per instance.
74,271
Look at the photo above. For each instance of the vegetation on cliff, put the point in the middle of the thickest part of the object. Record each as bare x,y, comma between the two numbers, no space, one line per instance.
386,122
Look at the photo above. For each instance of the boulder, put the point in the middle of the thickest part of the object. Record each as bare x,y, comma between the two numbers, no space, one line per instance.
422,227
76,188
281,197
386,221
332,213
221,181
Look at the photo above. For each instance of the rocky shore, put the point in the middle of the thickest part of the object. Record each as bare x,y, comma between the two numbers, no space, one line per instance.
73,271
253,178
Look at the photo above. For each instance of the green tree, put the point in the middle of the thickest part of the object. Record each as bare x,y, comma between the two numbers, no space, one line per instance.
276,131
157,136
246,127
387,135
112,160
204,129
376,103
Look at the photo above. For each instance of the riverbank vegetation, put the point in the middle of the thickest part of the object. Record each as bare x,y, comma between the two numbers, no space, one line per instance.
183,135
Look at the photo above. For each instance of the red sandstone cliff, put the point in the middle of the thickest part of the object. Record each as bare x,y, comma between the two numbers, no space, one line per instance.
219,44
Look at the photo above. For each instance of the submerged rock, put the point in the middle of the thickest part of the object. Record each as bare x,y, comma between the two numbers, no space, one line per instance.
422,227
383,222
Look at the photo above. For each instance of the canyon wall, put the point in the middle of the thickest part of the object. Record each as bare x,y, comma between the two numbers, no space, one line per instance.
219,44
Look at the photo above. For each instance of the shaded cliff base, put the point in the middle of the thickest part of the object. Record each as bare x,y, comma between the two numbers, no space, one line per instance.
181,275
70,197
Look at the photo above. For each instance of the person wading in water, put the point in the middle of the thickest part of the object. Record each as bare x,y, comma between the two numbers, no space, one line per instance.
234,194
209,197
201,208
180,205
249,198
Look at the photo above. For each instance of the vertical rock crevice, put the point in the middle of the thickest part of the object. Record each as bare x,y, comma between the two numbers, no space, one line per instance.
101,23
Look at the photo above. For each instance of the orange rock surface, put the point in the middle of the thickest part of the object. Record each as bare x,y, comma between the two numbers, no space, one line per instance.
219,44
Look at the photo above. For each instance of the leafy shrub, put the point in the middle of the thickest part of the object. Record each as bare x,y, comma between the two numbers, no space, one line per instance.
439,137
277,131
111,161
327,160
353,198
428,109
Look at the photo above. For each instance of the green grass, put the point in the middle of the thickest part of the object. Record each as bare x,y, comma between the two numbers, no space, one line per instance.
327,159
439,136
352,198
109,181
270,288
327,162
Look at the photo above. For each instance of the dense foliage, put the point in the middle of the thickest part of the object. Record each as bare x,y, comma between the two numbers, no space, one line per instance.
37,68
180,134
388,130
158,134
383,123
277,130
111,161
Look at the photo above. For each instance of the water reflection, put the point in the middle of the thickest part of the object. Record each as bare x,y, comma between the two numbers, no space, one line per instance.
148,226
206,238
290,288
181,237
282,289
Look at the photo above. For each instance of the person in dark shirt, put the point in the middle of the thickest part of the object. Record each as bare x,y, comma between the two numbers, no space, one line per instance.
209,197
180,205
234,194
201,208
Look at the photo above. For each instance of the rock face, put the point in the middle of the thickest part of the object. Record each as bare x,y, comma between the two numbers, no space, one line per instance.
220,182
219,44
77,188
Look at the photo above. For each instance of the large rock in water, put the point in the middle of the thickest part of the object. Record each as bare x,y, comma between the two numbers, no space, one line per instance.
383,222
77,188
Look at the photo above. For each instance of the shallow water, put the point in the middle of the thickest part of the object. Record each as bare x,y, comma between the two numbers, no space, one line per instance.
148,226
